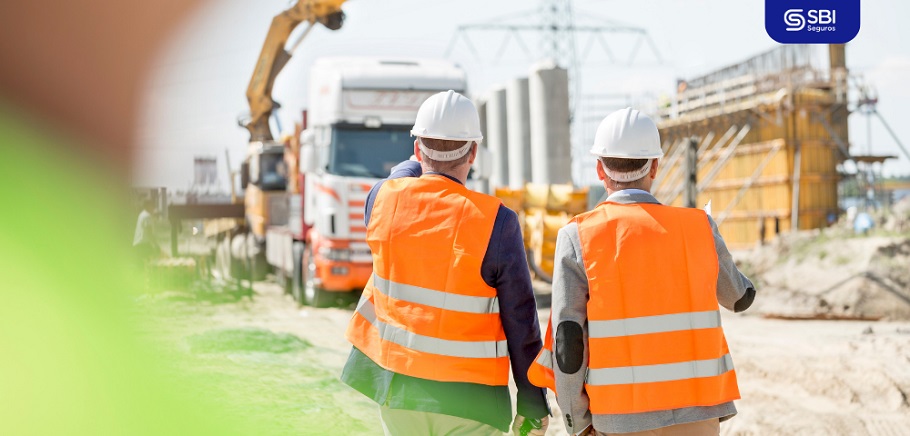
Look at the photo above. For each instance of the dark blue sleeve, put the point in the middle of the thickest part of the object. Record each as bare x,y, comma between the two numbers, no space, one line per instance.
505,268
408,168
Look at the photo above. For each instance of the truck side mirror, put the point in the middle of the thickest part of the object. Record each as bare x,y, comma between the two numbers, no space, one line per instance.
483,164
244,174
308,158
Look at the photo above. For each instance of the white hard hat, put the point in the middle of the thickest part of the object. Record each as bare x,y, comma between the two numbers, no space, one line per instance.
448,115
629,134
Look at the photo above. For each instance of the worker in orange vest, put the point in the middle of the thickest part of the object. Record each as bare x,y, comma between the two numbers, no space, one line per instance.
635,343
450,303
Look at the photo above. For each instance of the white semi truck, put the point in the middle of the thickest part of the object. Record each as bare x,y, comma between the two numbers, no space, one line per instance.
359,118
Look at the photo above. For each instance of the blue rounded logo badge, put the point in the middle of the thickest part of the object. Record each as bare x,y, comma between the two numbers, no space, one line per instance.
812,21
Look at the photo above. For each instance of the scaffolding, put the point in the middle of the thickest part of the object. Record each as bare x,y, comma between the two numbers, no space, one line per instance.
769,134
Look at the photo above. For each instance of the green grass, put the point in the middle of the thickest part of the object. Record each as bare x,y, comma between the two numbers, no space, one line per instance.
246,339
278,381
289,393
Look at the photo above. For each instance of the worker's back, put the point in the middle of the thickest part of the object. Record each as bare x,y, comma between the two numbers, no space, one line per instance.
440,297
653,310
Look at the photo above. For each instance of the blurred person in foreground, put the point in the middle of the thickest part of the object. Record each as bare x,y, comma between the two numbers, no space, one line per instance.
70,92
635,343
450,302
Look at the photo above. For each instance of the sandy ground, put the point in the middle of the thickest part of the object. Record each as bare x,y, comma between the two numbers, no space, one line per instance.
832,275
820,377
796,377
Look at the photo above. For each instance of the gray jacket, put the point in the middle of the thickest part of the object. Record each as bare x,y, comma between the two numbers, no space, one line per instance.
570,296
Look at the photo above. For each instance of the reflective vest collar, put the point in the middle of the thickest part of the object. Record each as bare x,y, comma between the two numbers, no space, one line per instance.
436,298
427,344
631,196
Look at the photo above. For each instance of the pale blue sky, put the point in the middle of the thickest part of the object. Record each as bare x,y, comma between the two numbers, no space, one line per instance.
196,91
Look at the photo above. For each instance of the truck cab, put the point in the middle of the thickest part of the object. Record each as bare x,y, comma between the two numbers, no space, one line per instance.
264,178
361,112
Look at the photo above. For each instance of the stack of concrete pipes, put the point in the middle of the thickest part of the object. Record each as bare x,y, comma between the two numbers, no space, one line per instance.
526,127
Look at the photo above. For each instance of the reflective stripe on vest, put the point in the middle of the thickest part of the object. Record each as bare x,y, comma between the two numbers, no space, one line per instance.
545,359
645,373
433,298
426,312
655,338
654,324
660,373
429,344
540,373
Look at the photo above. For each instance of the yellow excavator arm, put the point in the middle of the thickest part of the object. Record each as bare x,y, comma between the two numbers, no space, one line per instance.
274,57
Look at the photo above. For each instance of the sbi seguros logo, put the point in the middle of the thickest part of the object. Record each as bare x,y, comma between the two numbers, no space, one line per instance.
812,21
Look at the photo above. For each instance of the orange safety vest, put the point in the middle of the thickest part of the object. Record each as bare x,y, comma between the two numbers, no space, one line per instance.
426,311
654,334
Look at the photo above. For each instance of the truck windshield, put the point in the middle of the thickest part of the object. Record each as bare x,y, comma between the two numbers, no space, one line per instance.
362,152
273,172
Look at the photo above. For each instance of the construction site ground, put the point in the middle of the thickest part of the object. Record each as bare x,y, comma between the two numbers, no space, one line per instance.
276,363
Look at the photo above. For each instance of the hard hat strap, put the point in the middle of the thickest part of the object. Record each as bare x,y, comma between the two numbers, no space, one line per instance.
628,176
445,156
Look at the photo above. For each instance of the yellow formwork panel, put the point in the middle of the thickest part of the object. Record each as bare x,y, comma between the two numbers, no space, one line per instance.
544,253
511,198
748,197
567,198
536,195
533,226
543,210
560,197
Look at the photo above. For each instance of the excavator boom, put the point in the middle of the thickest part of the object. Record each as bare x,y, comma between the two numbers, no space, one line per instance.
274,57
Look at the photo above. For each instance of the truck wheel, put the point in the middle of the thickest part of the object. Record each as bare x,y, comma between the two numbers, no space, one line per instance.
222,266
282,279
297,272
312,295
351,299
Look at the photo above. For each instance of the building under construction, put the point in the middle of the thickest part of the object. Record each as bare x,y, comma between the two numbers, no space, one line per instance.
767,134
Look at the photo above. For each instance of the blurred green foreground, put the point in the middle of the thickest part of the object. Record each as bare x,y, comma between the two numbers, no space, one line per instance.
73,360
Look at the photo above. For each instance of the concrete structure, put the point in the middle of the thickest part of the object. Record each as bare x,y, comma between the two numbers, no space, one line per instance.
771,131
497,137
484,184
519,132
548,95
482,114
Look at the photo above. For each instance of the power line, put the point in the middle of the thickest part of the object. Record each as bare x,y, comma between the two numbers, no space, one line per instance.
555,25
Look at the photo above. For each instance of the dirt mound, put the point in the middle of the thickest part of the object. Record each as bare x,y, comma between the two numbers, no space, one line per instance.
826,275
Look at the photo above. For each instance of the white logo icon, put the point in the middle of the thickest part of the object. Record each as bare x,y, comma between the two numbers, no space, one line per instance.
794,20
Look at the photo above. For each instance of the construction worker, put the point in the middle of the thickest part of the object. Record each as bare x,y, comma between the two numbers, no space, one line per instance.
450,302
635,344
145,243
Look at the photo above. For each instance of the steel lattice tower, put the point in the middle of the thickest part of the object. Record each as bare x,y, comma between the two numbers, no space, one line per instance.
554,25
558,37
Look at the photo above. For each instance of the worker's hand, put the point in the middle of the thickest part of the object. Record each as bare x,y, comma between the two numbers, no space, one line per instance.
533,427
